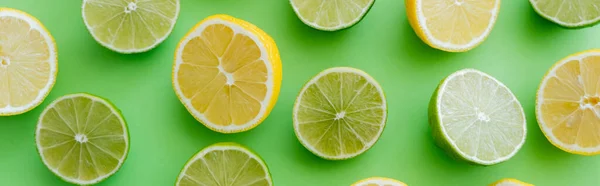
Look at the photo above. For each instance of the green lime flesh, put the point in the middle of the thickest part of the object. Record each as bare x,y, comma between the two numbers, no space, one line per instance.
81,138
228,164
340,113
569,13
477,119
327,15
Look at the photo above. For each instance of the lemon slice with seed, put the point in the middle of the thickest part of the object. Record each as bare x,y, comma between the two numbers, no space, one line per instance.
340,113
452,25
130,26
379,181
81,138
227,73
568,103
28,62
225,164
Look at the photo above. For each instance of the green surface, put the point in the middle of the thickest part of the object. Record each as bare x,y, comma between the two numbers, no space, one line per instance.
164,135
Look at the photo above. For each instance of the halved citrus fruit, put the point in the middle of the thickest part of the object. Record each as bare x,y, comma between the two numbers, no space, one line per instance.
568,103
340,113
81,138
379,181
225,164
130,26
330,15
510,182
569,13
476,118
227,73
450,25
28,62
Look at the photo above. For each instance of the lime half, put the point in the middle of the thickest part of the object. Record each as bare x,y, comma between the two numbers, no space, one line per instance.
474,117
331,15
340,113
81,138
130,26
225,164
569,13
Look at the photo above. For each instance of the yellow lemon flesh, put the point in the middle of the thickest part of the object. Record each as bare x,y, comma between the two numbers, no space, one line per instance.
227,73
452,25
568,103
379,181
28,62
510,182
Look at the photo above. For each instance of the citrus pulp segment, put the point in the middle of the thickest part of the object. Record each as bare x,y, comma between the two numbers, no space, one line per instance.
331,15
452,25
379,181
130,26
227,73
340,113
81,138
28,62
569,13
225,164
476,118
510,182
567,105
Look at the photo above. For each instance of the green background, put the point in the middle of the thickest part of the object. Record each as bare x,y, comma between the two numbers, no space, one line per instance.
164,135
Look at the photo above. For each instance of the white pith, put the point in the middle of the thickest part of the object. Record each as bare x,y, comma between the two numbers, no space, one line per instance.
554,19
52,60
223,147
474,42
340,25
55,170
128,51
379,181
297,104
540,99
264,57
452,142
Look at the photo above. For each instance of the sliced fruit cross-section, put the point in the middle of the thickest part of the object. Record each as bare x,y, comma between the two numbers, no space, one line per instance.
225,164
340,113
331,15
452,25
81,138
379,181
568,103
130,26
510,182
227,73
28,62
476,118
569,13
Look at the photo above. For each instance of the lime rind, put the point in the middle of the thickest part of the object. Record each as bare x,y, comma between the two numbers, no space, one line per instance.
584,24
114,110
130,51
443,141
341,26
368,146
225,146
53,56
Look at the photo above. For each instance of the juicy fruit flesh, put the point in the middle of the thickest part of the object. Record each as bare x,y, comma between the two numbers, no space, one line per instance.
24,62
331,13
458,22
225,167
570,108
340,114
482,118
224,76
81,139
130,24
379,182
569,11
